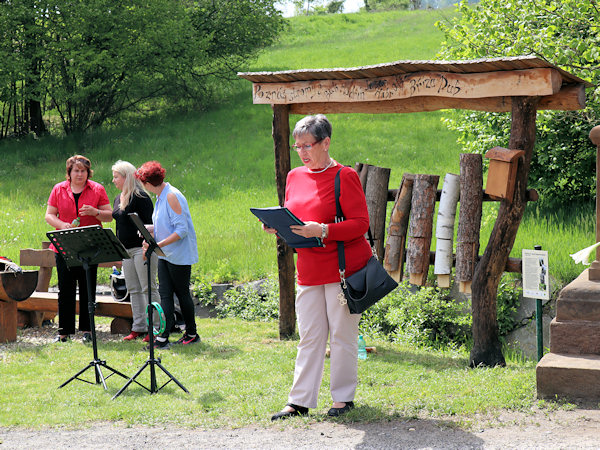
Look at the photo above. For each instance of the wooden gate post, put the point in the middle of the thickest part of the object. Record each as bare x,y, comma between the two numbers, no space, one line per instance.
487,350
285,255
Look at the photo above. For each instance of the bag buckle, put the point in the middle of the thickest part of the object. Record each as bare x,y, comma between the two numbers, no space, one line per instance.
343,278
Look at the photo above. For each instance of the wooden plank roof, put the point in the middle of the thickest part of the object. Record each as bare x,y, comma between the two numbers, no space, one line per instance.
407,67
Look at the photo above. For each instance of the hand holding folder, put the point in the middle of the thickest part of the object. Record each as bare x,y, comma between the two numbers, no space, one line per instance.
281,219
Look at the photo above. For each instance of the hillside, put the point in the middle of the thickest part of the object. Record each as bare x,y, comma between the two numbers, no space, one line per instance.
222,159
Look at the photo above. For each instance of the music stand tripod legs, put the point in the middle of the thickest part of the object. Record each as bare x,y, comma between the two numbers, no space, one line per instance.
96,363
151,362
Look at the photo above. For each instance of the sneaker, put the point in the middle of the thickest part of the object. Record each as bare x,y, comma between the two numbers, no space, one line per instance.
161,345
60,338
87,337
132,336
187,339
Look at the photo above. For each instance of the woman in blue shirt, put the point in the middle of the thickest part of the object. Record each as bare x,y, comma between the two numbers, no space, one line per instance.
174,233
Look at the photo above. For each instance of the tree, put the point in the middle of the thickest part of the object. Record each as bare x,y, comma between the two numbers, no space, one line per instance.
564,32
20,74
307,7
95,59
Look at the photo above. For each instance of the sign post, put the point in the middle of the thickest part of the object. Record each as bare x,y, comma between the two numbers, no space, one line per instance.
536,285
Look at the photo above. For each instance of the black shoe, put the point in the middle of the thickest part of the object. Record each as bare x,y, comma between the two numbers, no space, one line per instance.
87,337
298,411
334,412
161,345
60,338
186,339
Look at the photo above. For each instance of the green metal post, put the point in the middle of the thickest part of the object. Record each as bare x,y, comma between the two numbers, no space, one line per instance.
539,322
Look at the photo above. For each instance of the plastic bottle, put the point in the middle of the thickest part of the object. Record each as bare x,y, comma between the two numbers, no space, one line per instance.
362,348
76,221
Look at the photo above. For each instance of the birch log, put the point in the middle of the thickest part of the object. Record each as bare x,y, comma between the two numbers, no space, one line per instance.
394,248
444,231
469,219
421,227
376,194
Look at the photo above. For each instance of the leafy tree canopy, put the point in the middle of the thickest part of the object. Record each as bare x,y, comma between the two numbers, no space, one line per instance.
90,60
564,32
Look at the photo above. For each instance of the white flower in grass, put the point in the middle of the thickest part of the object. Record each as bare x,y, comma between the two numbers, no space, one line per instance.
583,256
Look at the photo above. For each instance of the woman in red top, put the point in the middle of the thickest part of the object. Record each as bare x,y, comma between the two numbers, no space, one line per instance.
75,202
310,196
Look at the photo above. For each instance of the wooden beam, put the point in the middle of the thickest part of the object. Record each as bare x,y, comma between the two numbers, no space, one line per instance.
528,82
569,98
106,306
285,255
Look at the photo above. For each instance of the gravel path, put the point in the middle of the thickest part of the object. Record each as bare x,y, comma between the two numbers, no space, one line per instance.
540,429
579,429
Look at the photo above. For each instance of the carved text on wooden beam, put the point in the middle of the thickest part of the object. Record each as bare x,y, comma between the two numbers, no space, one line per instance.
530,82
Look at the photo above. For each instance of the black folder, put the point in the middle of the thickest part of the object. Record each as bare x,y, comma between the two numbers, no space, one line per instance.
281,218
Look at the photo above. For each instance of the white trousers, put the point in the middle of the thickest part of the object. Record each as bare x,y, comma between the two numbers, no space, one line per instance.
320,316
135,272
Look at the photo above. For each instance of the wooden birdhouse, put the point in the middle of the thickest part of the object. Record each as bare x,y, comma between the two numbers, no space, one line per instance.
502,172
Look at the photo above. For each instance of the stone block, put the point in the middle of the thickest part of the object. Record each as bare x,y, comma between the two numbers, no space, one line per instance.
579,300
575,337
568,376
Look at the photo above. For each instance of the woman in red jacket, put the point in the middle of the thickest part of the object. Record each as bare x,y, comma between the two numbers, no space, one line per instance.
310,196
78,201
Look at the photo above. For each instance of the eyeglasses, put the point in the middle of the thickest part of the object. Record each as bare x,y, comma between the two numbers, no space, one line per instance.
305,147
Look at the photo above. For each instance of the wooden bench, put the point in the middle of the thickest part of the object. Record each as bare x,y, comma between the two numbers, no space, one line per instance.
42,305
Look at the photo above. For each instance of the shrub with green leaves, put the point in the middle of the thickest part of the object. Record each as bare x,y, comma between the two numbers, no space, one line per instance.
248,303
426,317
507,301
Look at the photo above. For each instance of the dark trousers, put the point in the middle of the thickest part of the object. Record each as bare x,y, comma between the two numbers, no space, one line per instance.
68,279
175,279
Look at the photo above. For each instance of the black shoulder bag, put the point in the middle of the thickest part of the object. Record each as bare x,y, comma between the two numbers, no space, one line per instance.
371,283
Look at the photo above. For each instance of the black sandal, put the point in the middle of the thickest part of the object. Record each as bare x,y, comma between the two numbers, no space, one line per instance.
298,411
334,412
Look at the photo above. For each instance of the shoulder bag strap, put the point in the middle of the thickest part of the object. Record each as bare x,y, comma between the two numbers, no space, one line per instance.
339,217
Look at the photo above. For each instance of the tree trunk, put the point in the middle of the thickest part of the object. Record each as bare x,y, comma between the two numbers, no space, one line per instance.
444,231
469,218
394,249
36,121
421,227
486,349
285,255
376,191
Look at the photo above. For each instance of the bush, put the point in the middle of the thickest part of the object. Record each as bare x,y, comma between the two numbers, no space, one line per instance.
507,301
247,303
427,317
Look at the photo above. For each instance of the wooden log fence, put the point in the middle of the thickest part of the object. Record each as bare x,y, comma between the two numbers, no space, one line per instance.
421,227
394,249
469,219
444,230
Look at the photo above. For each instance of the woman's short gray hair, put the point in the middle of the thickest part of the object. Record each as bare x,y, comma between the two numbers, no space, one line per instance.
318,126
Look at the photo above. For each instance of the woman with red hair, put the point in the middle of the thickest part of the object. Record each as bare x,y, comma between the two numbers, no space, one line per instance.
174,233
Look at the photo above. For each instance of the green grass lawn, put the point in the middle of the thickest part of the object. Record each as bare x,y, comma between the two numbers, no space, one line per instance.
239,375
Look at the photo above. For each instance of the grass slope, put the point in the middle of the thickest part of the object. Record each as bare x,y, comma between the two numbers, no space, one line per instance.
222,159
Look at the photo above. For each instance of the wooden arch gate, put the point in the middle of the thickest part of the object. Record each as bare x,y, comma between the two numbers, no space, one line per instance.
520,85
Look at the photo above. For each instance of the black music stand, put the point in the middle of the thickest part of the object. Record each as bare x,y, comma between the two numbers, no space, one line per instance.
151,361
87,247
